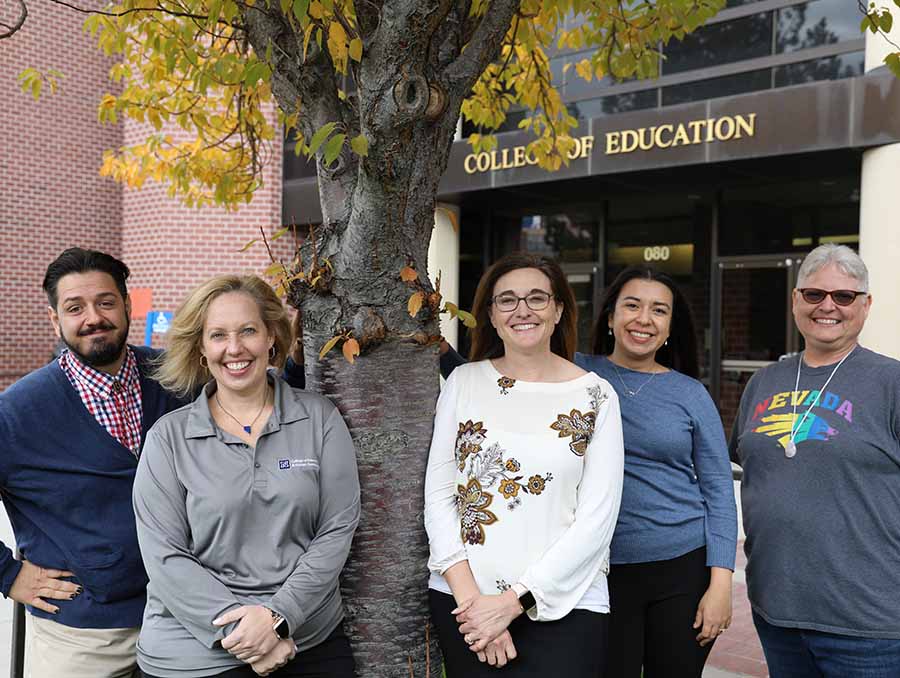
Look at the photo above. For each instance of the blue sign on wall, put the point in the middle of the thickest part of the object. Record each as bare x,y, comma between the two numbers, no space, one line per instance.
158,322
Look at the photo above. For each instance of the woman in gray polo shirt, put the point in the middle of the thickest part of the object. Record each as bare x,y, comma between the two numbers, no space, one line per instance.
246,502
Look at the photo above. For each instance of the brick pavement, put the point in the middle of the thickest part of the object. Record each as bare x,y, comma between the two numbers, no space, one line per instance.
738,651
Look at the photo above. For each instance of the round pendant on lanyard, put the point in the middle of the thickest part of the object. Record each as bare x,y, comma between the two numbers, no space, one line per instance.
790,450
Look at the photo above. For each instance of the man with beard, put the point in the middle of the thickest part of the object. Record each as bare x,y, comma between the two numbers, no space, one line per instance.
70,437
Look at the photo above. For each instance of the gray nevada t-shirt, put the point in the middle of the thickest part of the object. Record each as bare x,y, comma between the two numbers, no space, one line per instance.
823,528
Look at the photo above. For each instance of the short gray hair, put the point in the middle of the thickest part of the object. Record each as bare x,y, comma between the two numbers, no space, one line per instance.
846,260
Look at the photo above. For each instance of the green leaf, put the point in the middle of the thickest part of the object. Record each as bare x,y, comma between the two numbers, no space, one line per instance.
360,145
249,245
321,134
886,22
300,11
333,147
892,61
280,232
255,72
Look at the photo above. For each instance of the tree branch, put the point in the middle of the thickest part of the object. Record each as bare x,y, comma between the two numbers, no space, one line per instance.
484,46
8,30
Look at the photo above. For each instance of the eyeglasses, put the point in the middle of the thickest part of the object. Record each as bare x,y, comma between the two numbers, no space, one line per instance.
812,295
536,301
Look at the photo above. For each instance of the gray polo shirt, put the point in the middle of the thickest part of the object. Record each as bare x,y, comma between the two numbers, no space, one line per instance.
221,524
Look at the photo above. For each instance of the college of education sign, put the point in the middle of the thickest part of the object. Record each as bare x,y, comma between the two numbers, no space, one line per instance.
667,135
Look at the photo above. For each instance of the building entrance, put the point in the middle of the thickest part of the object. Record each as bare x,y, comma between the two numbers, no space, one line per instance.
751,298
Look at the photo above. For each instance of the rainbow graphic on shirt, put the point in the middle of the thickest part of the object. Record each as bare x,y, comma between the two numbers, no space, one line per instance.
814,427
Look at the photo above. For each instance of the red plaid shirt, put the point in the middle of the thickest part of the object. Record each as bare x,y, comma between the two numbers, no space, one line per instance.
115,402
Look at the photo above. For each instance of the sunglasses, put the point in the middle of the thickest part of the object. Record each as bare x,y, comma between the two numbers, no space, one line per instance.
812,295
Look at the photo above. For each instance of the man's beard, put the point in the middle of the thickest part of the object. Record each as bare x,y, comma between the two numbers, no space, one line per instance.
102,352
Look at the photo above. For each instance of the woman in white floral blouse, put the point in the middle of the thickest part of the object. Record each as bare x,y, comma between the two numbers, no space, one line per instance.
523,487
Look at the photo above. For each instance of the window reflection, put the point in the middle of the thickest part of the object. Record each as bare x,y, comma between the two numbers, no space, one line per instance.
296,166
822,22
616,103
570,237
830,68
717,87
746,38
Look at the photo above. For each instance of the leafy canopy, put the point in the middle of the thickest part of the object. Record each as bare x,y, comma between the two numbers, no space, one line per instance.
187,70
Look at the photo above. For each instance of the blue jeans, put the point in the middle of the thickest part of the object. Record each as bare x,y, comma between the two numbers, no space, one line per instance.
802,653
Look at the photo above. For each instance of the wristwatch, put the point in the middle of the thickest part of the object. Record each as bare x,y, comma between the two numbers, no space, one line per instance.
279,624
526,597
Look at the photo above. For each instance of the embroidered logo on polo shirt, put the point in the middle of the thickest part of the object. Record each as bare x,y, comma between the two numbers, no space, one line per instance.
287,464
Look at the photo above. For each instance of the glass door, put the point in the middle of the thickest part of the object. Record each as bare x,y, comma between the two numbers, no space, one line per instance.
585,279
754,328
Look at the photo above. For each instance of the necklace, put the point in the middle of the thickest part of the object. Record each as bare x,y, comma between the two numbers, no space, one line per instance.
631,393
249,427
791,448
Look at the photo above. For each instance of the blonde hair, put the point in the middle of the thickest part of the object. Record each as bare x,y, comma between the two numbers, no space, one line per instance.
178,368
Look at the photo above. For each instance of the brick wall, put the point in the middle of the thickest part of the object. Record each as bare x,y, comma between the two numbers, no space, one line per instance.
51,196
171,248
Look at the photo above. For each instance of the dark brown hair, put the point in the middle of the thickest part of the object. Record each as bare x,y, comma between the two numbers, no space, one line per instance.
486,343
680,353
78,260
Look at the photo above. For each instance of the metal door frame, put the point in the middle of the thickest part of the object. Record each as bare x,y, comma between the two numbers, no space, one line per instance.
789,262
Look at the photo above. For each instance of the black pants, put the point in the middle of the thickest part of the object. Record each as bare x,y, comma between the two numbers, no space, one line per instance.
571,647
332,658
651,625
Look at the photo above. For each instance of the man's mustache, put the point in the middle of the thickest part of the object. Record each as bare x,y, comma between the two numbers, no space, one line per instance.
95,328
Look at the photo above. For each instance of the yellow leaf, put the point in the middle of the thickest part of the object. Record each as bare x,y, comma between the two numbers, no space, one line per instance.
451,308
351,350
273,268
415,303
337,46
467,319
408,274
330,345
356,49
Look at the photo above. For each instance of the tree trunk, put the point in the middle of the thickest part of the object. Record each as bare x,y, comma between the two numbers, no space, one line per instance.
388,402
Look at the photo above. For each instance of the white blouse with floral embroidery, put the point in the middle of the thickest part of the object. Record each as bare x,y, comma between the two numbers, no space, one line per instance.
524,481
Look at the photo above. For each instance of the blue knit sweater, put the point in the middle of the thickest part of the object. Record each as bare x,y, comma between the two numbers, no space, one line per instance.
66,485
678,493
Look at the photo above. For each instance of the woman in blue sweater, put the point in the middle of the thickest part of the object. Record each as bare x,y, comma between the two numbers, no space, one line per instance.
673,550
